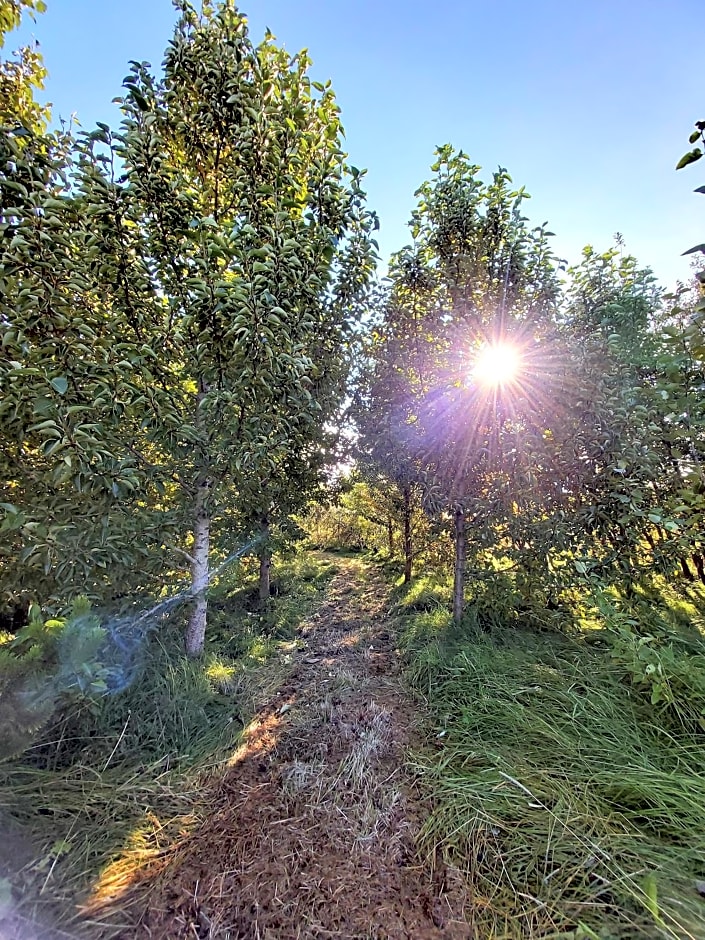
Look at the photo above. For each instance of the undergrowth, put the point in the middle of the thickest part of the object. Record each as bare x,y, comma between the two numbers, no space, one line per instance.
128,770
567,776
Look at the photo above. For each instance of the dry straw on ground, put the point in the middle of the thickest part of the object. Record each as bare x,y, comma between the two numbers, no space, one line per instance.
310,832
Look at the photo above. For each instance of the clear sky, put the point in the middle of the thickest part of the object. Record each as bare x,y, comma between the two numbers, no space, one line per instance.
588,104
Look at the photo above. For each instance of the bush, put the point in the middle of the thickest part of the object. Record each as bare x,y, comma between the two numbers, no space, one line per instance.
664,666
49,665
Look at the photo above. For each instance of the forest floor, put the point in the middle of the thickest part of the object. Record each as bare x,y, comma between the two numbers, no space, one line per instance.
310,831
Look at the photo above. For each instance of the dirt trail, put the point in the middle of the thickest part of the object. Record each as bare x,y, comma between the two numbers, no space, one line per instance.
310,832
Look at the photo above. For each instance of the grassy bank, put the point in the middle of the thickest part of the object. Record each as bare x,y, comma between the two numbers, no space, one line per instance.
124,775
567,771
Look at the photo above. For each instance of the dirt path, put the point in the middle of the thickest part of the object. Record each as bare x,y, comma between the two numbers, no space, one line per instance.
311,833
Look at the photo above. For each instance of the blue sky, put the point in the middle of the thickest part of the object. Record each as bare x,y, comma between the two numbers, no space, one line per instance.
589,105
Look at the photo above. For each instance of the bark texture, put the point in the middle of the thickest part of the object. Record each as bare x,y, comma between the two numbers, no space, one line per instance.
408,553
196,629
265,566
459,566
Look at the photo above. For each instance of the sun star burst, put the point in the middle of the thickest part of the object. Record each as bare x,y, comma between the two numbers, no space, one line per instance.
496,364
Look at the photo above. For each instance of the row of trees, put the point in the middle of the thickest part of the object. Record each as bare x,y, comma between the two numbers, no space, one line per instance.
589,463
176,298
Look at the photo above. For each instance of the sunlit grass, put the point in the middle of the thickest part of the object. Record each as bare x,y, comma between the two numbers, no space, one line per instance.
426,592
221,674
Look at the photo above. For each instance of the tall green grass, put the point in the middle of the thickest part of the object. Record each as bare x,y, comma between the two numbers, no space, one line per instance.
573,804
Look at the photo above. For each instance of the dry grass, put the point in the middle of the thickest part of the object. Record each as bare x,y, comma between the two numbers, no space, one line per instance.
310,831
112,793
369,735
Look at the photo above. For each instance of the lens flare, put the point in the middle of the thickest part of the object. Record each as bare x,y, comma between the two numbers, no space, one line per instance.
496,364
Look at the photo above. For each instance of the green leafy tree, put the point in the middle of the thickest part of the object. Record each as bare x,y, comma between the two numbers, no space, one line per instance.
613,456
382,411
23,74
476,274
204,264
697,137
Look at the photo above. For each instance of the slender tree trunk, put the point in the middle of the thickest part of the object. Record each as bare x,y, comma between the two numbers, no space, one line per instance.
196,629
685,568
390,536
408,554
459,567
265,566
699,565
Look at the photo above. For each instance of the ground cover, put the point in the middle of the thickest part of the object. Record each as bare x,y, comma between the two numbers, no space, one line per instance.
544,784
306,827
567,778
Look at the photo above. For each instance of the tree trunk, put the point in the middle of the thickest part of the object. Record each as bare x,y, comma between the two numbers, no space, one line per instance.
699,565
196,629
459,567
685,568
265,566
390,536
408,555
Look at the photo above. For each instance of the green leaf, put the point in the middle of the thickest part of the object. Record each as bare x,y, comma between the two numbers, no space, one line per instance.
585,933
650,888
138,97
691,157
60,384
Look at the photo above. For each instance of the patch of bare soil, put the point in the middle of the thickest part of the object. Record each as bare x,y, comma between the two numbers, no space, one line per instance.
311,831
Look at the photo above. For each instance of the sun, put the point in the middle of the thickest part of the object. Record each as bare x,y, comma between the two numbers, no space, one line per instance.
496,364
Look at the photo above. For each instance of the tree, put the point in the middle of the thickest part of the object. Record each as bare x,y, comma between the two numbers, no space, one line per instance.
385,448
613,465
23,74
476,275
697,137
204,263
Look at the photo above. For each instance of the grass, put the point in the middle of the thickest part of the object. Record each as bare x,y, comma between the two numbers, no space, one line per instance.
121,777
425,593
572,802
